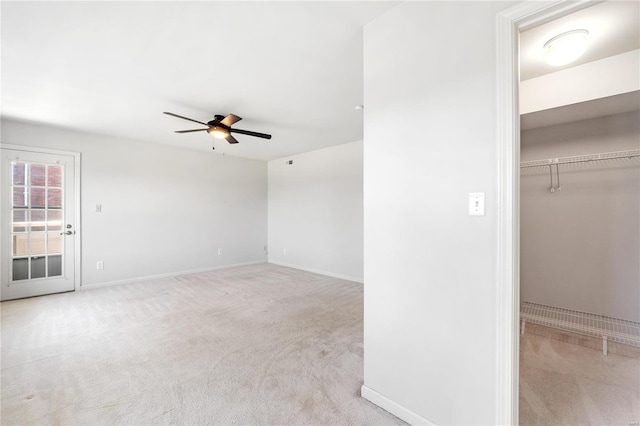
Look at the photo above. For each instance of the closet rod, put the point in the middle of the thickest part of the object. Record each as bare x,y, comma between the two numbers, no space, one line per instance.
582,158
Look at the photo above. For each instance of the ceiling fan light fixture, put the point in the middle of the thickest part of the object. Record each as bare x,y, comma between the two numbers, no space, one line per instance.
566,47
218,132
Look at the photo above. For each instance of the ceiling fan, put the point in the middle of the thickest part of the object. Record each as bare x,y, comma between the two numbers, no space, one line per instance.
220,127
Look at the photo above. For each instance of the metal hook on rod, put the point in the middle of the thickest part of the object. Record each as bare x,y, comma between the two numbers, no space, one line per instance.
558,188
551,188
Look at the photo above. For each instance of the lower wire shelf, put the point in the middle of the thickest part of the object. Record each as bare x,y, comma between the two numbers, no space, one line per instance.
607,328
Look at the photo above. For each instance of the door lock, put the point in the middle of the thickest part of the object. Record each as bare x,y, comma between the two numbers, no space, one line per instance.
67,233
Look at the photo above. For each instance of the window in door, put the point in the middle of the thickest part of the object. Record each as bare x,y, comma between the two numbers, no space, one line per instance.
37,216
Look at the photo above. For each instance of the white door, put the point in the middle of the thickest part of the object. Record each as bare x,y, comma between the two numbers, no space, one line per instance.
38,223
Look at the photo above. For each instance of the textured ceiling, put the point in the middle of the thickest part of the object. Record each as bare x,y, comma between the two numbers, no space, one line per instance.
292,69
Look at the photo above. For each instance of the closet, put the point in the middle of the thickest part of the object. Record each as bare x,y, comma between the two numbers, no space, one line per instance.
580,176
580,228
579,216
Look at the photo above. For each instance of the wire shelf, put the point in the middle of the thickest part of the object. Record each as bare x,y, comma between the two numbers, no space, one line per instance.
611,329
581,158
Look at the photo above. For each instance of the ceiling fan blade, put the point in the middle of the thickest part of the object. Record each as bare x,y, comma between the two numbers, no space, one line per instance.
185,118
230,119
189,131
250,133
231,139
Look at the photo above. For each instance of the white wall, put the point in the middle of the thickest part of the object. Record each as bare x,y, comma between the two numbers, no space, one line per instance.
164,209
594,80
580,247
429,268
315,211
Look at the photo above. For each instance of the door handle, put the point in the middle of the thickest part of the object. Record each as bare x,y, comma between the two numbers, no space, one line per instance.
67,233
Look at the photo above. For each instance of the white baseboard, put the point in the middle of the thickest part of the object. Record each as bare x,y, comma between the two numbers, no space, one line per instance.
393,407
318,271
167,275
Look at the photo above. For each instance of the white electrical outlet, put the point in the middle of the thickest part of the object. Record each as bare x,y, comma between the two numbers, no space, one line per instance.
99,264
98,208
284,251
219,252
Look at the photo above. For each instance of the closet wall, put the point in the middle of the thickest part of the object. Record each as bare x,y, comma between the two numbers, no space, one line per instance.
580,246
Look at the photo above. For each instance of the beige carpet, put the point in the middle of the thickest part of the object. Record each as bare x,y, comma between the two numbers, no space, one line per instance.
564,383
260,344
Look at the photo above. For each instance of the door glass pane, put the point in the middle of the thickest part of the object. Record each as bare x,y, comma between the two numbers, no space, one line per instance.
37,174
54,198
21,244
38,266
38,241
54,176
37,222
54,242
37,198
54,220
19,196
20,270
55,266
19,173
19,223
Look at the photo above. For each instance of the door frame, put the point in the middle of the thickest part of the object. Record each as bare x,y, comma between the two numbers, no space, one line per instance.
77,258
508,25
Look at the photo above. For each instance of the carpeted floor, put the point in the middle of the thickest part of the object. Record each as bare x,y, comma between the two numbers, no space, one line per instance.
564,383
260,344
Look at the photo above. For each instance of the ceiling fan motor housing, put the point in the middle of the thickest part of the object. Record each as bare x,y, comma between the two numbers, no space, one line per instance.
216,122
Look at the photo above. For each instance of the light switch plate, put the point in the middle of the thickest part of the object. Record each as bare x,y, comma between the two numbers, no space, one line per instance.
476,204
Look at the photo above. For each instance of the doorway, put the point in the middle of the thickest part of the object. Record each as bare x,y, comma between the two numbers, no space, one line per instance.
40,239
510,24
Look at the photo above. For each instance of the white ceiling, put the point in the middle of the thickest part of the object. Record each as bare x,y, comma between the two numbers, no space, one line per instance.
292,69
613,29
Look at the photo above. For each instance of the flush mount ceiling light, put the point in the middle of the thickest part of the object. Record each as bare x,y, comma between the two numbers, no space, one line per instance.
566,47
